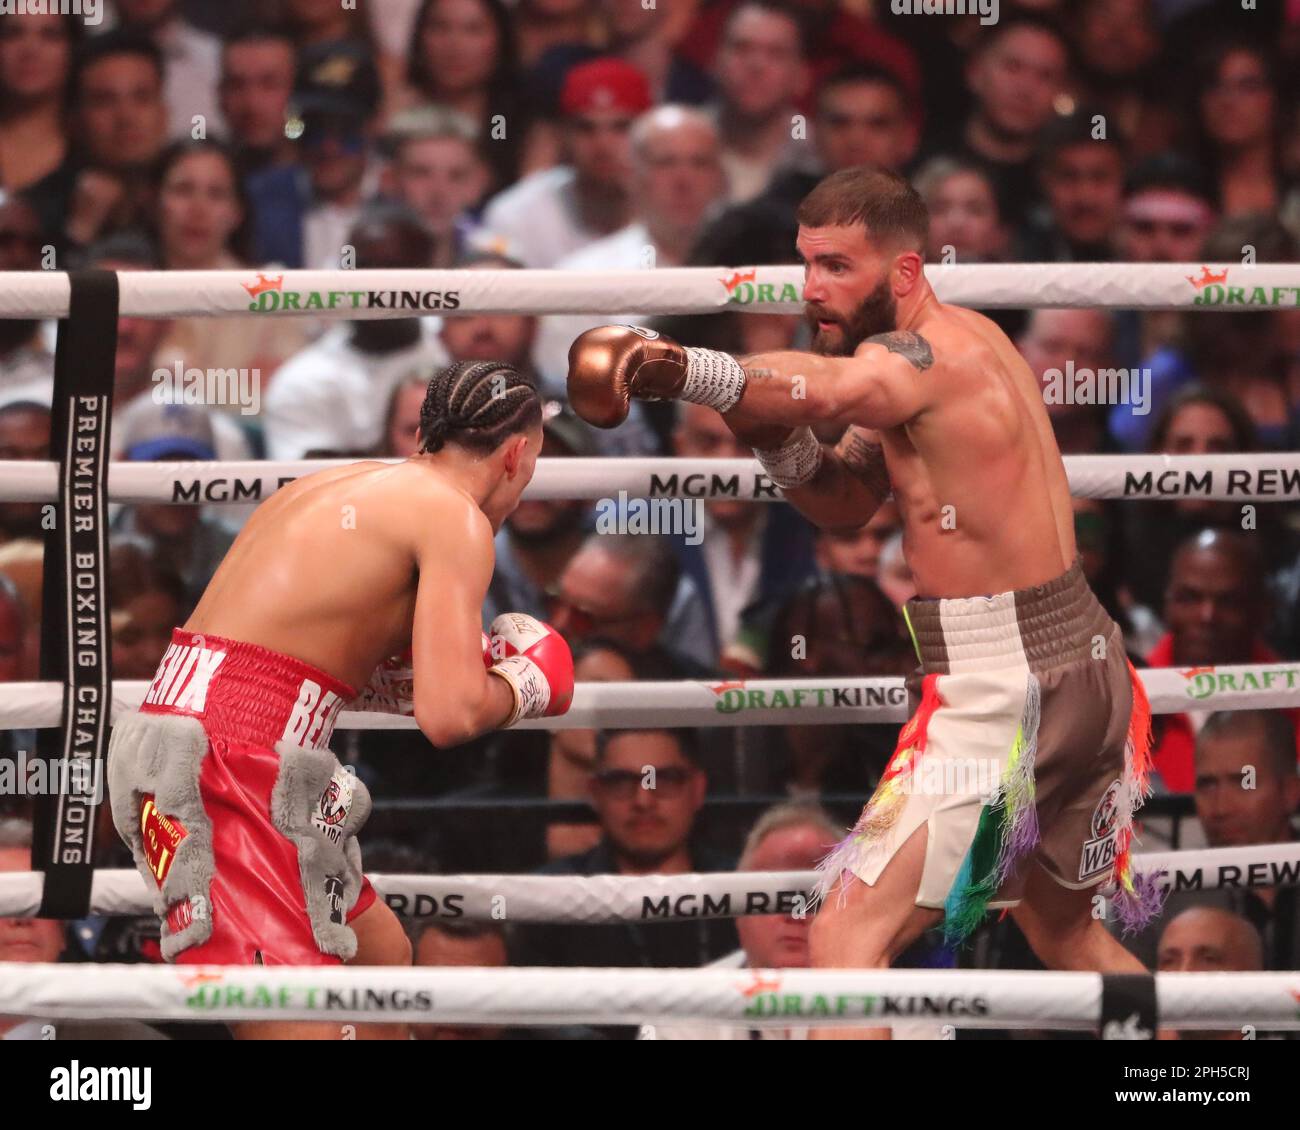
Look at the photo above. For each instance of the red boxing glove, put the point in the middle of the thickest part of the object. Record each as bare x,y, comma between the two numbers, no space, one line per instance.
537,664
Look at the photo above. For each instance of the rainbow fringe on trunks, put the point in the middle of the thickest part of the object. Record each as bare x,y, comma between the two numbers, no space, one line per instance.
1007,832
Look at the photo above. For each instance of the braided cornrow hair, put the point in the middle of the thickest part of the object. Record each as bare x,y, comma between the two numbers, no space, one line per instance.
477,404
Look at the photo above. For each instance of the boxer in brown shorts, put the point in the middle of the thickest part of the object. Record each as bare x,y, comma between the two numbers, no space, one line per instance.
1023,745
1016,780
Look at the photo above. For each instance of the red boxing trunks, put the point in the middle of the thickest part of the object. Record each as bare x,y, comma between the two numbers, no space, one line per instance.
238,815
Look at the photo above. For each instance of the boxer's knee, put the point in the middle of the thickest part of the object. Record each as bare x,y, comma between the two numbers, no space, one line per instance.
841,938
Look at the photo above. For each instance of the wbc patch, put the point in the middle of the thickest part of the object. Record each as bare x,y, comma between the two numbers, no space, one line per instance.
1098,855
335,804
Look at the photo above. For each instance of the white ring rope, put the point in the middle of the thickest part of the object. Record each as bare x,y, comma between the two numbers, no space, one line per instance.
678,290
747,997
596,899
751,702
1265,477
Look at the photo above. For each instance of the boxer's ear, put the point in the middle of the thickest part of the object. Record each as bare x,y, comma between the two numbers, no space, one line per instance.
513,457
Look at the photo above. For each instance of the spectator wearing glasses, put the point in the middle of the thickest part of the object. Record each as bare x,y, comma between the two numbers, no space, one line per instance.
629,588
571,756
647,789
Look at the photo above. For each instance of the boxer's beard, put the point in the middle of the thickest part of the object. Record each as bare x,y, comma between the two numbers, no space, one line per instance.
875,314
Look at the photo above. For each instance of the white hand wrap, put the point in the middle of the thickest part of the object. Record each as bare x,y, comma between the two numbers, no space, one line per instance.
531,690
715,380
794,462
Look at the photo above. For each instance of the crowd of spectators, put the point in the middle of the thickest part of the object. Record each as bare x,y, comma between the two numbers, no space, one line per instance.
260,135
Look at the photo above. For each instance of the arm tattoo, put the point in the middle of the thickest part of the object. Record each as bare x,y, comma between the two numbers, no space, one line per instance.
864,458
908,345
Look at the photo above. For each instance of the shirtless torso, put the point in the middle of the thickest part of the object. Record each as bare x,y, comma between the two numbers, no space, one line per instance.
976,471
349,566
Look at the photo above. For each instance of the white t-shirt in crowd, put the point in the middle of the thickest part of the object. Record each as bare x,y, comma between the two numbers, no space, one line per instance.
193,73
538,218
334,397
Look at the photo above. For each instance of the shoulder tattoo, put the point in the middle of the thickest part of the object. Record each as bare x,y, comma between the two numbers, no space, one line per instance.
908,345
864,458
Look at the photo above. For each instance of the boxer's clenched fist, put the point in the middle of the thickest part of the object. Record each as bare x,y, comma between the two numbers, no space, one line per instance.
534,659
611,364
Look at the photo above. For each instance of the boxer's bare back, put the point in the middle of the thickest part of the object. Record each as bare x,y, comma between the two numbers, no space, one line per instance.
351,565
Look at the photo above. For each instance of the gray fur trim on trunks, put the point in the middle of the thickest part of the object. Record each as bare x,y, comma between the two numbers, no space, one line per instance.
321,807
162,754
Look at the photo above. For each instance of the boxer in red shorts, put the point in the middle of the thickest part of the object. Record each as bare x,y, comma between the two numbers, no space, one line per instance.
237,813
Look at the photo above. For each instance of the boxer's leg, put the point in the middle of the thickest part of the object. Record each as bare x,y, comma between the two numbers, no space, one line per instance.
867,927
380,941
1060,926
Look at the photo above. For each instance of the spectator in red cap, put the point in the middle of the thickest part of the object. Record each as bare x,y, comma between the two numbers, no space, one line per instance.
555,212
677,185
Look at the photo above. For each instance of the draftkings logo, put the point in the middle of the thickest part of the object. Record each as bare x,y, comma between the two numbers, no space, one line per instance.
734,696
744,289
1205,681
209,991
1213,290
269,297
766,1000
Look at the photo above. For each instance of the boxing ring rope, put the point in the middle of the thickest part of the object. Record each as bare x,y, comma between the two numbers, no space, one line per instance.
742,702
602,899
653,291
603,996
776,998
1263,477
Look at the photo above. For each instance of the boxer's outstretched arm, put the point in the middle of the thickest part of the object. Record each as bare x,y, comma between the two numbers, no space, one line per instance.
456,699
880,386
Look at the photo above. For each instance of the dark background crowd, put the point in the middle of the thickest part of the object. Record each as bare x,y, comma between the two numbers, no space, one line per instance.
632,134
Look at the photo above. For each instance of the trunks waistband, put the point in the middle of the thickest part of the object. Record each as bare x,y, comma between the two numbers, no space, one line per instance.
1043,626
245,692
